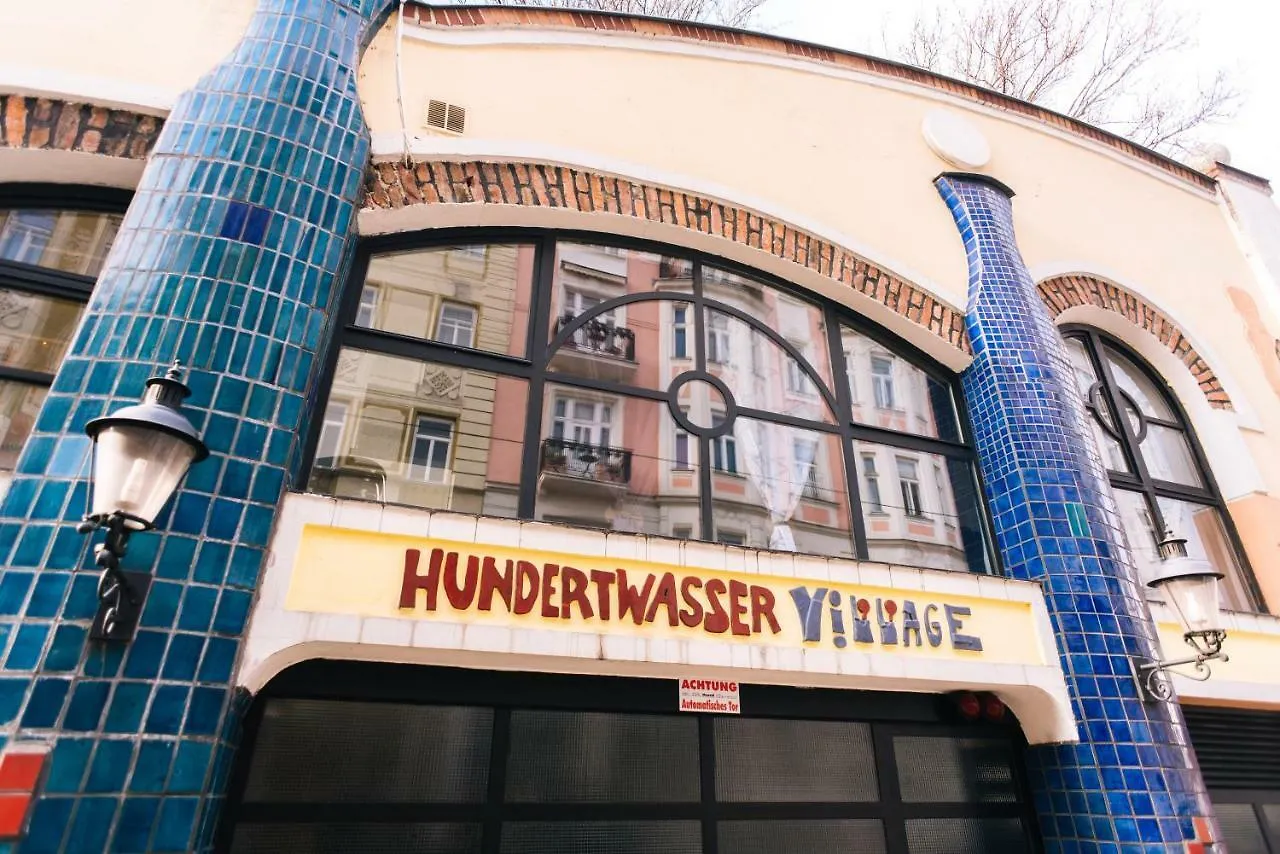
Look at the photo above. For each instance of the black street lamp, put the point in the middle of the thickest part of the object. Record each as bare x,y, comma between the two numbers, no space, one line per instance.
140,453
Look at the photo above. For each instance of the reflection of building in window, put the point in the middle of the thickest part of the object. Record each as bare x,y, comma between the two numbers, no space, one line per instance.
871,484
476,251
730,538
724,449
718,338
804,456
680,331
682,532
882,381
680,450
456,324
586,422
797,380
332,428
26,234
432,439
367,313
944,499
909,482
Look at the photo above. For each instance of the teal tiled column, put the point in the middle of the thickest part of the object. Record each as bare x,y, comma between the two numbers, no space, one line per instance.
228,259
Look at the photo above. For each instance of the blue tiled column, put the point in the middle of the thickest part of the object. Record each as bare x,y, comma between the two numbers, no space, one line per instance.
227,259
1132,783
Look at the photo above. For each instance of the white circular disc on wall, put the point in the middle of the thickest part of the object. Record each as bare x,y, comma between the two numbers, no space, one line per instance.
955,139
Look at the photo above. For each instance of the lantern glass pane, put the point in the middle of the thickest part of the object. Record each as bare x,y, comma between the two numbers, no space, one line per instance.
1195,598
136,469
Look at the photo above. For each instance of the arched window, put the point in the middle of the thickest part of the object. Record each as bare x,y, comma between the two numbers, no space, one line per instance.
1157,469
624,386
53,242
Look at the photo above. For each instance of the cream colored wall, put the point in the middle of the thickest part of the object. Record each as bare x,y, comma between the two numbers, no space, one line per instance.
843,156
126,53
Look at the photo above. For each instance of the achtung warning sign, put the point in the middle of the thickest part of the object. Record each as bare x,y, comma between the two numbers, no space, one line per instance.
710,695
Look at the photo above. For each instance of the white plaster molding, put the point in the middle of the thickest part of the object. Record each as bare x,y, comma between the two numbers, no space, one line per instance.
277,638
69,167
556,36
87,89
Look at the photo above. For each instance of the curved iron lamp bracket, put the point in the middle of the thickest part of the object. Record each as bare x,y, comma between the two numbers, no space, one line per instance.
1155,678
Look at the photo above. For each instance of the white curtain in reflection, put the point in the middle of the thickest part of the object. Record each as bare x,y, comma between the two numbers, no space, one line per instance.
777,466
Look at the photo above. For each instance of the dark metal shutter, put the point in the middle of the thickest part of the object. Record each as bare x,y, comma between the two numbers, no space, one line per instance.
1237,748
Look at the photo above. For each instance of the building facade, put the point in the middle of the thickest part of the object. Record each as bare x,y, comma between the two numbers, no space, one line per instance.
625,436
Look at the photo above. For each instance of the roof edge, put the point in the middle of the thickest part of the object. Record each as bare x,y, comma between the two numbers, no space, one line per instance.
426,14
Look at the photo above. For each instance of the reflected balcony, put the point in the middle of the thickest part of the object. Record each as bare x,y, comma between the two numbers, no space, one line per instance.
581,469
599,348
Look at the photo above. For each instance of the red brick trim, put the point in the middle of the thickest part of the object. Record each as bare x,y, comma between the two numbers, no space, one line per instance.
1063,292
520,16
394,185
42,123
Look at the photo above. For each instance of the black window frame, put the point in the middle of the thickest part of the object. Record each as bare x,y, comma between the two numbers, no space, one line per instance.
540,335
44,281
1138,479
888,716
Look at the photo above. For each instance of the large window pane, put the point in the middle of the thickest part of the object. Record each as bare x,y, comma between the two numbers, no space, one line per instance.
70,241
387,753
467,296
889,392
422,434
19,405
863,836
601,837
1200,524
641,343
760,373
761,760
919,509
1240,828
780,487
35,330
1168,456
590,757
616,462
366,837
940,769
1097,417
966,836
1138,387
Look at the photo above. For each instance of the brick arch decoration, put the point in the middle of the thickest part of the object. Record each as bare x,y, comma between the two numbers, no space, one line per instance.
55,125
391,185
1063,292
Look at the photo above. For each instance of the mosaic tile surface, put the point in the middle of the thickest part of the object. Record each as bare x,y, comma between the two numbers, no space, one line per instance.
1132,783
227,260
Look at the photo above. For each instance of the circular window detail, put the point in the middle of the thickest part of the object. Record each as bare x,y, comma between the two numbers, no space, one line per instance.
702,404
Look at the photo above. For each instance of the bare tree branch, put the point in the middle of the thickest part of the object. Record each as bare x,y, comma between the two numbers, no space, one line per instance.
1106,62
730,13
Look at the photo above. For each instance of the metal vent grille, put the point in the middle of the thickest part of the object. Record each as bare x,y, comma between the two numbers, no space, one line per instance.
446,117
1237,749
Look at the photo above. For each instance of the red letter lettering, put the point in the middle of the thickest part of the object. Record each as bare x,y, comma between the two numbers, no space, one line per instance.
738,593
665,595
461,594
691,617
717,621
492,581
412,582
526,587
603,581
631,600
762,603
549,573
574,589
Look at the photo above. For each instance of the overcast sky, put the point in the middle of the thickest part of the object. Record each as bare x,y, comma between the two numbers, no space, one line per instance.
1237,34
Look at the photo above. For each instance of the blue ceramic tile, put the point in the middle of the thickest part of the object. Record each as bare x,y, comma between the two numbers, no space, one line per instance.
50,818
191,767
145,653
91,826
45,703
128,703
67,764
67,648
137,817
110,766
152,769
167,709
233,611
87,702
197,608
177,821
211,564
46,598
27,647
219,659
183,658
13,591
204,711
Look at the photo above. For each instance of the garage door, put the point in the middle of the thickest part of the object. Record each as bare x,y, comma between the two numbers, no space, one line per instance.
466,762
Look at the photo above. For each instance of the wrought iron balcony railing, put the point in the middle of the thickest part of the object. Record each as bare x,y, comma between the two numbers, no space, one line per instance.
596,463
600,337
